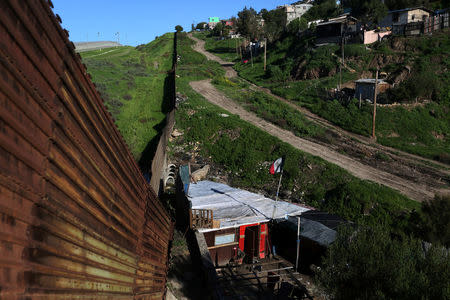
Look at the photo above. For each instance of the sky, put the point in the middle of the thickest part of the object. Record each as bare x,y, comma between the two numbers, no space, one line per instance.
140,21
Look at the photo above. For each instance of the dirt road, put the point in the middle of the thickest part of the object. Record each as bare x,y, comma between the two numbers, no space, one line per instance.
200,47
413,177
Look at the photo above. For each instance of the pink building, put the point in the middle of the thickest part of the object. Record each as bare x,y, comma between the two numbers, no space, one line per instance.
373,36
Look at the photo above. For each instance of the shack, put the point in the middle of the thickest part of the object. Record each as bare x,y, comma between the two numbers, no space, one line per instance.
333,30
212,22
318,230
234,222
409,21
365,88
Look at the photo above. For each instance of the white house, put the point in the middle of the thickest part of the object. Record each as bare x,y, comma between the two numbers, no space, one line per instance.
295,11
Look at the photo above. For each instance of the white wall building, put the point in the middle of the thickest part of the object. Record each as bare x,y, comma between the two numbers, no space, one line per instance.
295,11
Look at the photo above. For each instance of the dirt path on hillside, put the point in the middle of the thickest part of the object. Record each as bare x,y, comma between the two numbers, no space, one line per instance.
230,72
200,47
413,190
412,176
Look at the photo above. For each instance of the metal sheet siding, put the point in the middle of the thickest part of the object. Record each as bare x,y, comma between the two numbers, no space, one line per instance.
77,218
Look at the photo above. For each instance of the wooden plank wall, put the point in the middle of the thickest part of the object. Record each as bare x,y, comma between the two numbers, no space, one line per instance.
77,218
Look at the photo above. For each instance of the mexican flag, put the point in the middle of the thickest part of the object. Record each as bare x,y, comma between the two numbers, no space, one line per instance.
277,166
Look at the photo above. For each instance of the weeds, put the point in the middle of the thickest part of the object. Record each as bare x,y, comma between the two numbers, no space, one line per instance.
132,89
244,152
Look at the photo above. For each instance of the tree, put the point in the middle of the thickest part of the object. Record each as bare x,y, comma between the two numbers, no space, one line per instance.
201,25
370,264
218,29
274,23
369,11
435,220
322,9
247,23
430,4
178,28
400,4
226,30
297,25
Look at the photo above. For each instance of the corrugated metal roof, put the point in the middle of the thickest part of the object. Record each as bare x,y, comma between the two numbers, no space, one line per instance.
235,207
370,81
310,229
410,8
338,20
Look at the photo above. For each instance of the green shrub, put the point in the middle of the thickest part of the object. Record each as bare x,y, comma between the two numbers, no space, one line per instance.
244,152
275,73
126,73
370,263
221,80
354,50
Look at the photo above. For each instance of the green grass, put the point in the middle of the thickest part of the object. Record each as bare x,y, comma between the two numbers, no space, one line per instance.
225,49
132,83
268,108
245,153
423,130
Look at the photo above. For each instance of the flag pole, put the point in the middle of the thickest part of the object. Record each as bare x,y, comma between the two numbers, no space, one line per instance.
279,184
298,243
276,197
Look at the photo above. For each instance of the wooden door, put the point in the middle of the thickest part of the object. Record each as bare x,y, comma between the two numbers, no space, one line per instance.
251,243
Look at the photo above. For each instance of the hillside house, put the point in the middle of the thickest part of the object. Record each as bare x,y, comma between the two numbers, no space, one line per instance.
372,36
406,21
234,221
333,30
295,11
365,88
227,23
212,22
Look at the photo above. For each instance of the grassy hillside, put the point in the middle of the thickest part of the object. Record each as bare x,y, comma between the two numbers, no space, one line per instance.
132,83
244,153
419,66
225,49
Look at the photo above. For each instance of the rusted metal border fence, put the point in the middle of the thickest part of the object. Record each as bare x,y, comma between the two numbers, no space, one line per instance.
77,218
159,162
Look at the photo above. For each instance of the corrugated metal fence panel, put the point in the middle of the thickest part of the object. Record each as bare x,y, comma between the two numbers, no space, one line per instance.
159,162
77,218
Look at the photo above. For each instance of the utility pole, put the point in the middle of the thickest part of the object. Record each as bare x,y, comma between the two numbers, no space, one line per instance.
343,56
265,53
342,62
251,53
276,197
240,49
298,243
98,39
375,107
118,37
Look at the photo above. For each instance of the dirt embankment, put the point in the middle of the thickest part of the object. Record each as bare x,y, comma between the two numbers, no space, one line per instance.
416,177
